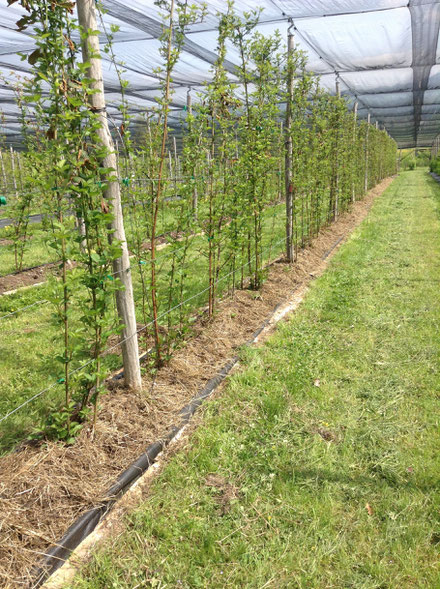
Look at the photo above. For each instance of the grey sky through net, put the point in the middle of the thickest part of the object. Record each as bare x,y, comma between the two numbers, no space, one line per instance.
385,52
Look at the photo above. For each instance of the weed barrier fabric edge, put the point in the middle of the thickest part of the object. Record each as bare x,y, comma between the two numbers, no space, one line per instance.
86,523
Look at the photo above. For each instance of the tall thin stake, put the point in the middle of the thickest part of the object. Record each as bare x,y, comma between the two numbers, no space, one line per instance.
121,266
2,164
366,154
289,152
353,182
14,180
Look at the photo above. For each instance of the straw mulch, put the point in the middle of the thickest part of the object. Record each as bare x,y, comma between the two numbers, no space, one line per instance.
44,489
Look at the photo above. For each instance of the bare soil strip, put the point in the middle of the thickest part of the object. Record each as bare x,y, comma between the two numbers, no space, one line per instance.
39,274
44,489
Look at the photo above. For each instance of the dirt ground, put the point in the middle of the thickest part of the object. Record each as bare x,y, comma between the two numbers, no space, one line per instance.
44,489
25,278
38,274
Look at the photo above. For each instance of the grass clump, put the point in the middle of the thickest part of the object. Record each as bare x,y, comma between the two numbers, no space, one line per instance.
318,465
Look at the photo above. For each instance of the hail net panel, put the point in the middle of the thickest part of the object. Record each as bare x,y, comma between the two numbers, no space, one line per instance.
384,52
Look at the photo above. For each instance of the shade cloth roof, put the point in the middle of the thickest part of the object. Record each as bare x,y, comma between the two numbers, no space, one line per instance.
385,52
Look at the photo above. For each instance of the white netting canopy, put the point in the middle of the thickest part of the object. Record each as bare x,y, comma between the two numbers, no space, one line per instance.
385,53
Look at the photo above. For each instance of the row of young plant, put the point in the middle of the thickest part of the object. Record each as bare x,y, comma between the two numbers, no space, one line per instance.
422,158
227,182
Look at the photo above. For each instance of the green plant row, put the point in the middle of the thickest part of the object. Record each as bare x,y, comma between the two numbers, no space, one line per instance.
231,171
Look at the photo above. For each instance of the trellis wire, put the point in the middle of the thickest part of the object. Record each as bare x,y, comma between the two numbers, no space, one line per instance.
160,316
24,308
159,258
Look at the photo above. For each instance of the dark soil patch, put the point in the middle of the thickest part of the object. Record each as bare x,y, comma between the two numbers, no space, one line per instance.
26,278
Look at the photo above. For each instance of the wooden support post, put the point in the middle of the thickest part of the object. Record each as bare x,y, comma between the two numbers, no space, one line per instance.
14,180
280,163
118,169
20,171
366,154
175,154
189,102
288,156
176,164
131,167
170,163
335,179
353,183
2,164
121,267
195,197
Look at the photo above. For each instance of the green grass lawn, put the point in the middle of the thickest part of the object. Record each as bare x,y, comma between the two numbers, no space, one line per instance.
318,465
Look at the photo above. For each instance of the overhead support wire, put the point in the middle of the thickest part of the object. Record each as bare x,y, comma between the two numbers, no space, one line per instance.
327,61
153,27
292,20
331,14
332,66
425,26
146,24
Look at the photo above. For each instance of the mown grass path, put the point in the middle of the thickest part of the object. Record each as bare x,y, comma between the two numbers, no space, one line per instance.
318,467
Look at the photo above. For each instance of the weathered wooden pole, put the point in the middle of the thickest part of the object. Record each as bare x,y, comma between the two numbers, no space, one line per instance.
170,164
14,180
353,185
335,198
176,157
176,165
20,171
366,154
2,164
189,102
380,158
280,163
121,266
288,155
195,197
118,169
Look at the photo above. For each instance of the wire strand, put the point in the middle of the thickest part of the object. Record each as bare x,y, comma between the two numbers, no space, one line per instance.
24,308
160,316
